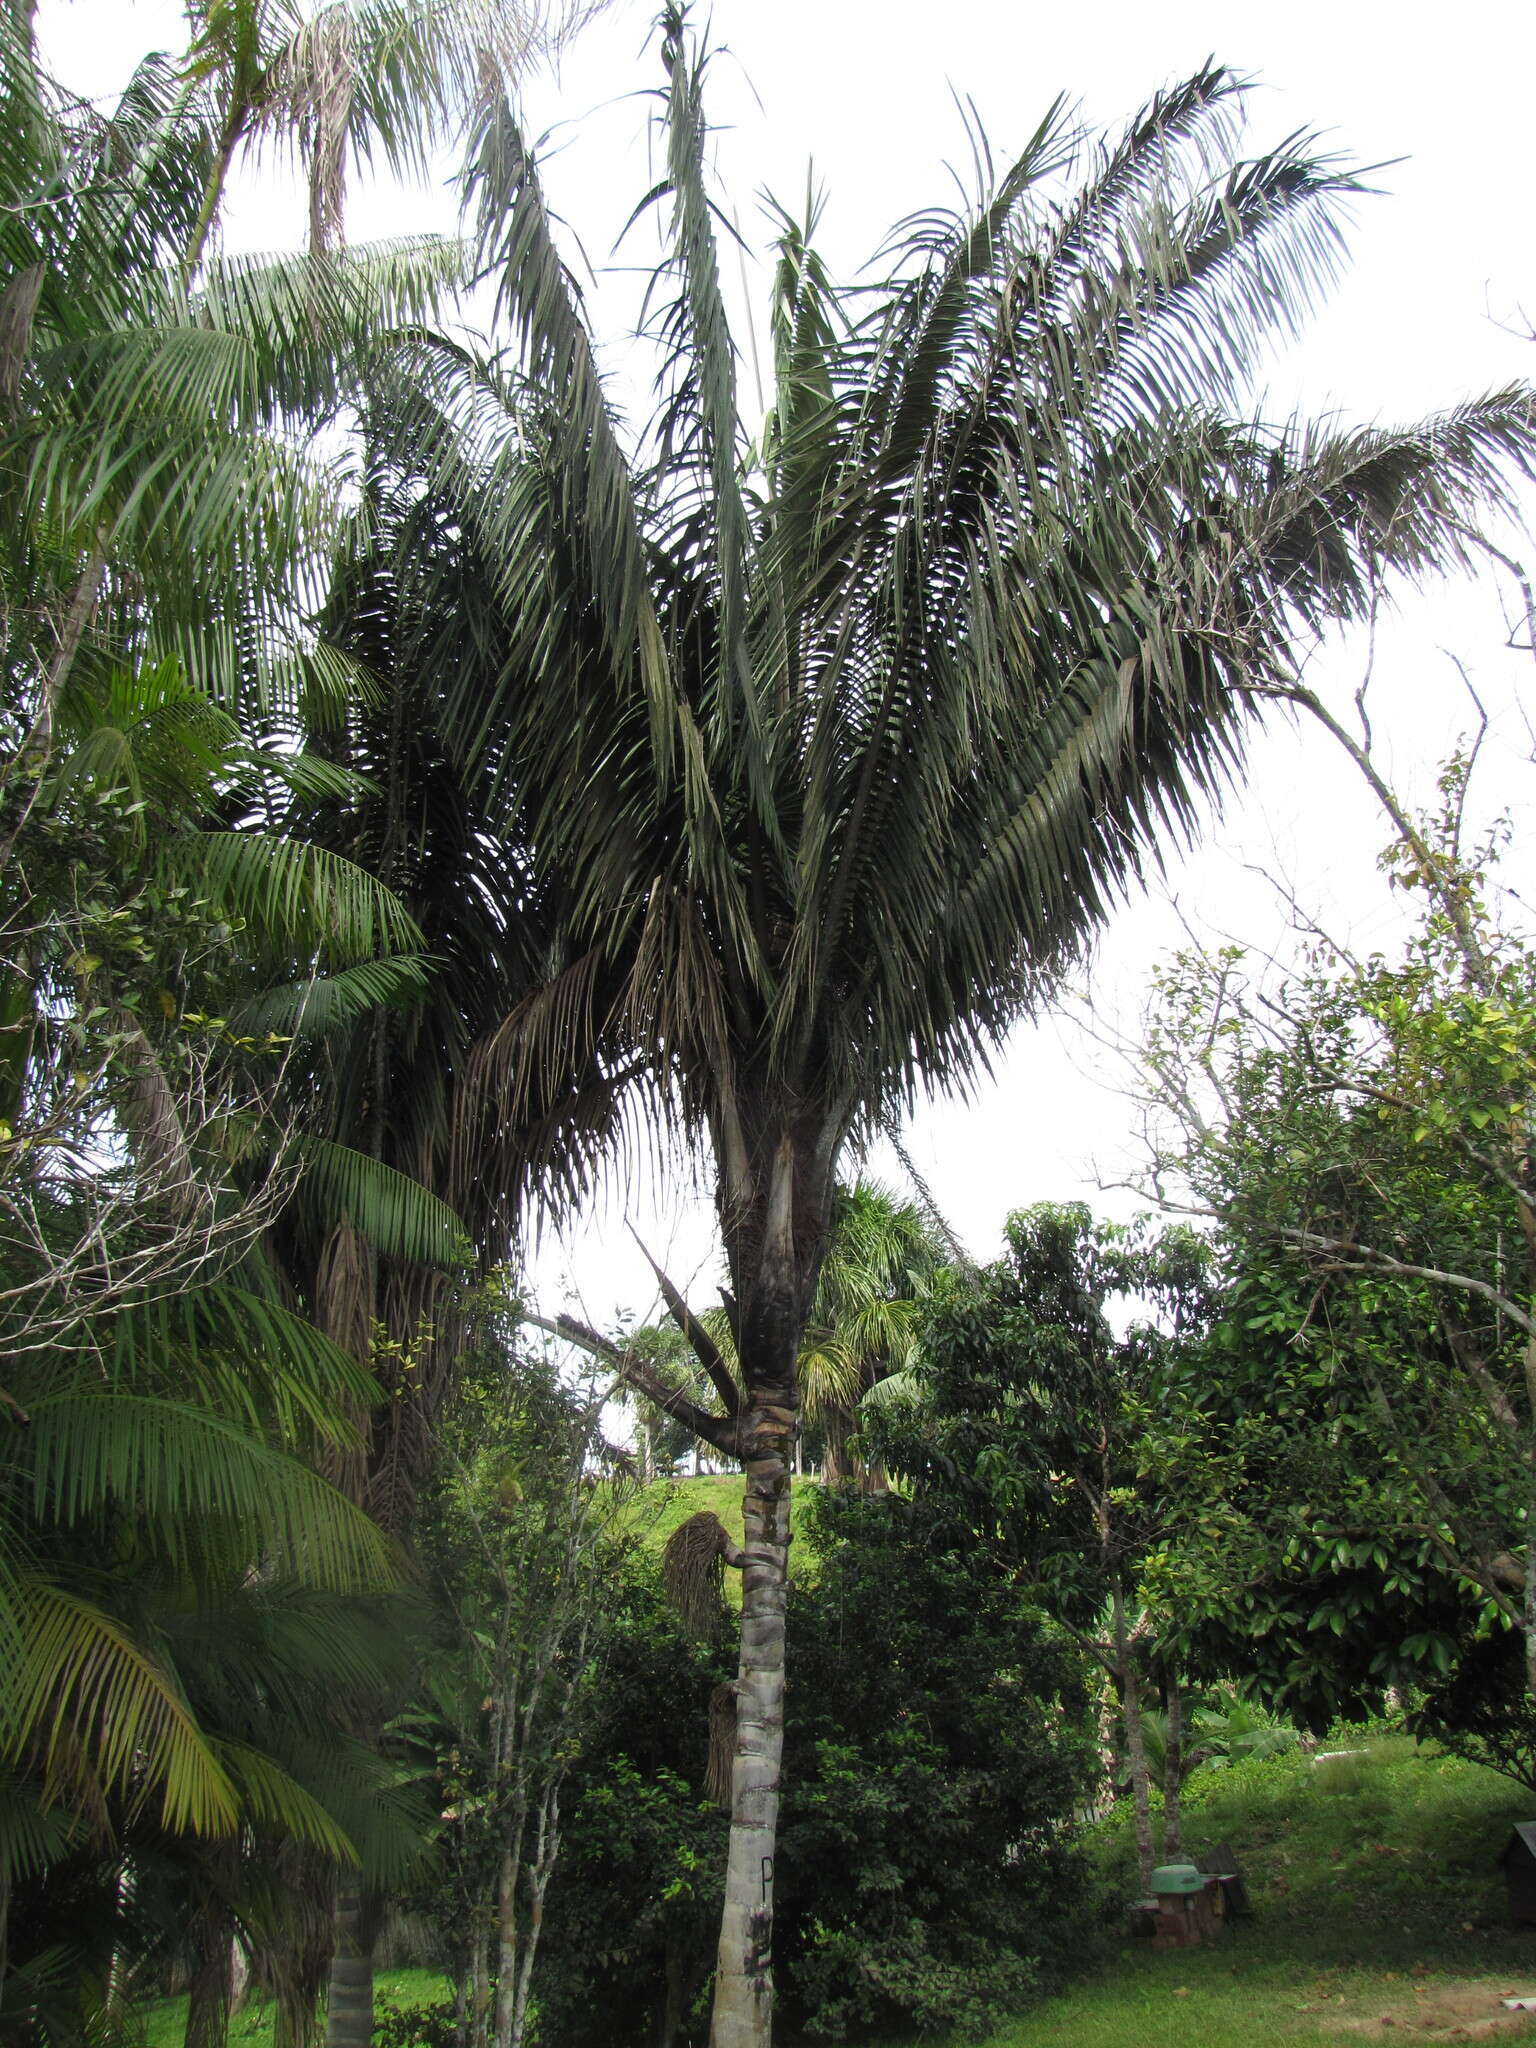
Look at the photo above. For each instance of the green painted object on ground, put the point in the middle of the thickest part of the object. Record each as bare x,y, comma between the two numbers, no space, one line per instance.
1170,1880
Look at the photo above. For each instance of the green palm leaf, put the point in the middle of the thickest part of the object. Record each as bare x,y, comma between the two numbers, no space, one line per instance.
303,900
271,1798
102,1706
170,1462
394,1213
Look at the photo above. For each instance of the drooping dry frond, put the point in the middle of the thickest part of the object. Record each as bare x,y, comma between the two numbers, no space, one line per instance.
18,307
329,76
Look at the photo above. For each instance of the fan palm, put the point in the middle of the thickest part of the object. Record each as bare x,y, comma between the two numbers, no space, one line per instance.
847,736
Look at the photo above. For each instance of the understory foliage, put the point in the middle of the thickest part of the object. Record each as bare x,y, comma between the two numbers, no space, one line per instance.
523,1532
934,1755
935,1752
630,1921
1048,1425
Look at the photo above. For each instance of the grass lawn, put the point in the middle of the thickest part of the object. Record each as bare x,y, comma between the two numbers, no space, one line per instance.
164,2022
1378,1915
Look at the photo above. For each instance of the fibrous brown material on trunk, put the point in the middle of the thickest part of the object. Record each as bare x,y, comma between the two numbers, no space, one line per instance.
722,1744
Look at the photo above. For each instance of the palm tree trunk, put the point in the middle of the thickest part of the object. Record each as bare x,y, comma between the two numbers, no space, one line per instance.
834,1455
773,1200
210,1998
349,2018
743,2010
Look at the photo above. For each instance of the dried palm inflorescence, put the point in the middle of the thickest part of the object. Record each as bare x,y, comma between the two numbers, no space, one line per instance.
722,1744
693,1572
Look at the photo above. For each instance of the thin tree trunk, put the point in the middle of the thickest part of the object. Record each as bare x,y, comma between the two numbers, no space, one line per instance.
672,2008
743,2011
1135,1745
1173,1772
506,1941
82,606
546,1851
35,749
236,118
349,2018
480,1980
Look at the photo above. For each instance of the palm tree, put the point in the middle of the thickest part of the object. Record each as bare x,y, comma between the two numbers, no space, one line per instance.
165,1404
158,402
385,1076
169,494
846,736
879,1259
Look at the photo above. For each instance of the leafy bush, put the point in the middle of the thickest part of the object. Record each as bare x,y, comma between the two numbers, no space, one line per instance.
630,1919
935,1748
415,2026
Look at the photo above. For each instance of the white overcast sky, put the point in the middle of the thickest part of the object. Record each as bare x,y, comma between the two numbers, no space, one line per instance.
1431,310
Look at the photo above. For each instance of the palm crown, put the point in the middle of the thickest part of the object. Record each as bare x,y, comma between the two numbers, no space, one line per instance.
853,732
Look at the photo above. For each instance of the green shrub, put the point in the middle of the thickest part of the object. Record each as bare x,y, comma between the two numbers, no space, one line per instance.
415,2026
936,1745
928,1874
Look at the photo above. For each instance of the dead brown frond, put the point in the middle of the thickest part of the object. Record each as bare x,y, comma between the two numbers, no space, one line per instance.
18,306
329,72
